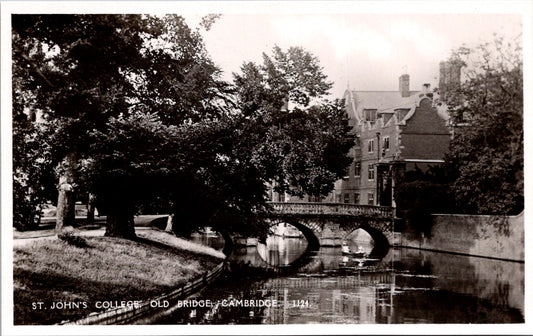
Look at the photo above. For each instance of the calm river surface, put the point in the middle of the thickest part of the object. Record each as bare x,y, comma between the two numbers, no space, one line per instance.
406,286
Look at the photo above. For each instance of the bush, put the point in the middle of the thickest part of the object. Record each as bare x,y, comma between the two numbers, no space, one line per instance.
417,200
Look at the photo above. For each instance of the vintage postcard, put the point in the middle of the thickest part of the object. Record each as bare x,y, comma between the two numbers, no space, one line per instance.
269,167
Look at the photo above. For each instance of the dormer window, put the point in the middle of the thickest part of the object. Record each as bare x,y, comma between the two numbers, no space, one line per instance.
385,115
370,114
401,113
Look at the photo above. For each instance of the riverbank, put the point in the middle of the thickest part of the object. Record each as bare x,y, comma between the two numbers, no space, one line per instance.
55,281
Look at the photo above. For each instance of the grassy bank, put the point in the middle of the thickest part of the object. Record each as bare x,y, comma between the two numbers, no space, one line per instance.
52,271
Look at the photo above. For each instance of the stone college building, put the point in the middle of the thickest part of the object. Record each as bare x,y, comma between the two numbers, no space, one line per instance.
397,132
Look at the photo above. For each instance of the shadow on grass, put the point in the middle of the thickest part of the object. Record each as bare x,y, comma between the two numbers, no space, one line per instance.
174,249
153,243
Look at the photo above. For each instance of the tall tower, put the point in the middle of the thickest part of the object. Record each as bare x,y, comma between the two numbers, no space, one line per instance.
449,75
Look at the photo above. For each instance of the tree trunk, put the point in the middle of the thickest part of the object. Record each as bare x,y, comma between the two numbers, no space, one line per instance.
116,199
65,214
119,221
120,225
90,209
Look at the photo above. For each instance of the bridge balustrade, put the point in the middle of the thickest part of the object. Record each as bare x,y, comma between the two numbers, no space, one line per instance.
332,209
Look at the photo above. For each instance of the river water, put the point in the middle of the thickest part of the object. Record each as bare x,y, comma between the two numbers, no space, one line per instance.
406,286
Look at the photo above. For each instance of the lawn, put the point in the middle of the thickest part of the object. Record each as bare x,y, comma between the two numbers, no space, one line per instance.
52,271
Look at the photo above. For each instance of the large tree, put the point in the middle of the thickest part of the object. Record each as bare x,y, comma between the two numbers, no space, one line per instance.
177,84
76,67
237,153
301,140
85,70
486,160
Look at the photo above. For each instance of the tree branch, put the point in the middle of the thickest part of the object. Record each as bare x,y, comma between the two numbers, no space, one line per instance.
35,67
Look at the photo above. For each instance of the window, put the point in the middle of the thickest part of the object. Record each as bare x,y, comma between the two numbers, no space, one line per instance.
357,169
356,198
370,114
371,172
346,198
371,146
386,143
370,198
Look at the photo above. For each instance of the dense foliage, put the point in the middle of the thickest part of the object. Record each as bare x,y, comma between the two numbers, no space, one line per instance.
301,150
137,115
485,161
81,71
300,140
71,70
33,177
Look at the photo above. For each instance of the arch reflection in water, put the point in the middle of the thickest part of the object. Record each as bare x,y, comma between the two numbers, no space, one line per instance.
358,241
283,246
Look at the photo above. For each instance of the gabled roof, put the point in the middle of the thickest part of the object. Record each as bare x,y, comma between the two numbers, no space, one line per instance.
383,101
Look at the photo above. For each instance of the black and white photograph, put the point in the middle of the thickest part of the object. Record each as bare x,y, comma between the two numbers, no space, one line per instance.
265,167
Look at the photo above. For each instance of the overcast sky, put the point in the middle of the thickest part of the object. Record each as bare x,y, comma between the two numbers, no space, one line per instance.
368,51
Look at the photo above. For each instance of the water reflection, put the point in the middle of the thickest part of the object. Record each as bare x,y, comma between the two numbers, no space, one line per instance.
358,242
406,286
209,238
281,250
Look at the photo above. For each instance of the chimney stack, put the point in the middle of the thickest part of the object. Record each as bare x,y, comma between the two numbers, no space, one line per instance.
404,85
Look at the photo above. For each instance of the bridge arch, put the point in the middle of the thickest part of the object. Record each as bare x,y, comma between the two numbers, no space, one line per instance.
317,220
381,243
309,232
315,230
305,262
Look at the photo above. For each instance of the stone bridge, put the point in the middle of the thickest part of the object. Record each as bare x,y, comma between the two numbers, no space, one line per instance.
328,224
